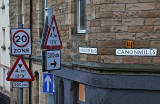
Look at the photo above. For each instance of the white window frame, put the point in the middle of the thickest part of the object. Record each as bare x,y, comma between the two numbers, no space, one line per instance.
79,30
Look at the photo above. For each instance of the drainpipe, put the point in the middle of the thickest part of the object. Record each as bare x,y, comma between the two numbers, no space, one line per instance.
30,60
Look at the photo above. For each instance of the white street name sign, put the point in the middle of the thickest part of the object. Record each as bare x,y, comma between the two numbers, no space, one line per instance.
87,50
136,52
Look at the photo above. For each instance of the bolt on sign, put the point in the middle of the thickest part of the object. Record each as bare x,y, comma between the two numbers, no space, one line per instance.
21,41
20,71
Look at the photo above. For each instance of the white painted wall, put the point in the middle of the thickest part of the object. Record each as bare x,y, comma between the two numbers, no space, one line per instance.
4,40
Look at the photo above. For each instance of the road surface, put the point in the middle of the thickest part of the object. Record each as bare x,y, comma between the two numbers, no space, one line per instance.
4,99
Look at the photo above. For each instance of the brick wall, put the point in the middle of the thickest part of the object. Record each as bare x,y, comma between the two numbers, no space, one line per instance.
110,23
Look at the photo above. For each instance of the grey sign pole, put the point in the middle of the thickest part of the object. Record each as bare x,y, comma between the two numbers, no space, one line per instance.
50,99
20,90
50,14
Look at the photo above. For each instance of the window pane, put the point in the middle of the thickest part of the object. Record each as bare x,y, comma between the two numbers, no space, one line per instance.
82,96
4,36
82,14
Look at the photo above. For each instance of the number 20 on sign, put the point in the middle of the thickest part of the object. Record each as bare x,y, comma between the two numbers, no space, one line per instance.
21,41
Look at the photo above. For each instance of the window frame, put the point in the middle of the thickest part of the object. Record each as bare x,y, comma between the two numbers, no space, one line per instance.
79,30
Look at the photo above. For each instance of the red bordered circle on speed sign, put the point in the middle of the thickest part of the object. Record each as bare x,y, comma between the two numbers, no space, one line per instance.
21,39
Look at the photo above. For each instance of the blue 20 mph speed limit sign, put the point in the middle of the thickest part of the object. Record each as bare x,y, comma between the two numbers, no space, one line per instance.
21,41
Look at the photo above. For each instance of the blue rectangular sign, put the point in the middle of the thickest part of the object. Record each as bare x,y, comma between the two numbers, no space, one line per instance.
48,83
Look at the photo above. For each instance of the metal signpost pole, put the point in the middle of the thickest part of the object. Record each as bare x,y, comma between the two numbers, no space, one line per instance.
52,44
21,40
50,99
50,14
20,90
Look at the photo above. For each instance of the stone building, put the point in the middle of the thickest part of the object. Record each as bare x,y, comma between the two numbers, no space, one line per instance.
4,46
99,76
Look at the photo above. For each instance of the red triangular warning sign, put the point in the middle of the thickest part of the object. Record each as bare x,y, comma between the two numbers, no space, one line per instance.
20,71
53,40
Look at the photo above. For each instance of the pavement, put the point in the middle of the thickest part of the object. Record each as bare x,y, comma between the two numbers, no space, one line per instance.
4,99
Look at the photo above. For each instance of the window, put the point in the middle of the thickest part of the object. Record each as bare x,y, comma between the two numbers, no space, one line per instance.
4,33
81,16
78,93
21,12
82,96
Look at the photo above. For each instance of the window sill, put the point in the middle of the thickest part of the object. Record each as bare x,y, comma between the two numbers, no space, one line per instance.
78,36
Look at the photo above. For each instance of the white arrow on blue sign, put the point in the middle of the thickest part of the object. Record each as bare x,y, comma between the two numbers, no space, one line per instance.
48,83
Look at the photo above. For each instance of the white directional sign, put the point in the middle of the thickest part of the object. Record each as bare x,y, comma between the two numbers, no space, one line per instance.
20,84
20,71
21,41
53,60
53,40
